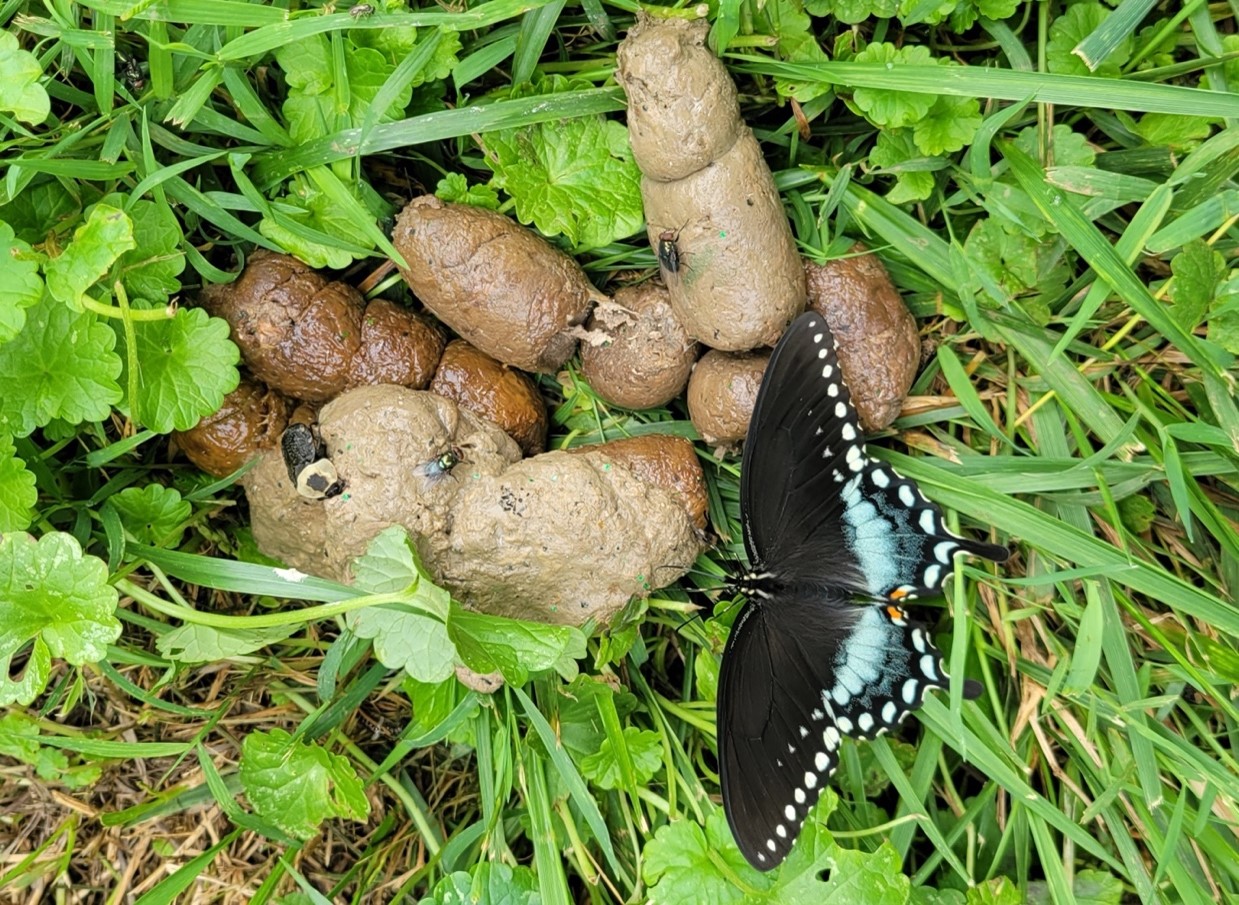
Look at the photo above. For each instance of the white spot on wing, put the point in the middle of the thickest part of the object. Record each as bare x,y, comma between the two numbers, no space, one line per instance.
928,524
790,811
865,721
841,409
810,781
881,478
928,667
821,760
889,710
906,496
909,691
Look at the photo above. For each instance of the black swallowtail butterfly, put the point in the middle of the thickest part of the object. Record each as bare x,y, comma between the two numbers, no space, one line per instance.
823,524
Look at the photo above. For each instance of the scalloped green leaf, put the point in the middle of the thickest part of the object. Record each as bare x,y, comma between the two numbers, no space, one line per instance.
53,595
153,514
97,244
21,287
20,91
297,785
61,366
187,365
17,488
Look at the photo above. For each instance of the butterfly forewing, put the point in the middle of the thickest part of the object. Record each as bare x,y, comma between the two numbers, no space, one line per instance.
814,505
795,679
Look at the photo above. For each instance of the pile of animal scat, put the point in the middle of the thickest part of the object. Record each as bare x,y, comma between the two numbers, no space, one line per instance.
368,415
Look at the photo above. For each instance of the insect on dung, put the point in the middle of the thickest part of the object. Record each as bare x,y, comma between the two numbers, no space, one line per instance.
441,466
310,471
669,249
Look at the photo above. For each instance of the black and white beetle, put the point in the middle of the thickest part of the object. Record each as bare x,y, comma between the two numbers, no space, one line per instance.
309,469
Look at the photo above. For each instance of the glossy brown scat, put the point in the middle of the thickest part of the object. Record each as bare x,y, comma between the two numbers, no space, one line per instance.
500,286
649,355
878,342
491,390
664,461
397,347
722,393
250,420
297,332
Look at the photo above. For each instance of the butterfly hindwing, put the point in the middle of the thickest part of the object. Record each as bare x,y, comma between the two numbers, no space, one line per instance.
797,676
815,505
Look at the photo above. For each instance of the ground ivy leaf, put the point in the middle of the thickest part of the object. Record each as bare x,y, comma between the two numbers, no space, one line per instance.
853,12
644,748
1224,316
62,365
49,590
24,688
856,877
21,287
1067,147
995,891
150,270
204,644
1178,131
573,177
153,514
951,123
297,785
512,647
580,724
1072,27
19,739
17,491
679,864
96,245
39,209
20,91
187,366
1198,270
896,153
883,106
490,883
413,639
455,187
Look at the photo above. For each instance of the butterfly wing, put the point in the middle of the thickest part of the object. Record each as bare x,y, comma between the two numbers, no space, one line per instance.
814,506
799,672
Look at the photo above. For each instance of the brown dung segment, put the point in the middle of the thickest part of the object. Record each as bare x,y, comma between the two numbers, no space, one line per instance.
492,390
311,338
647,356
397,347
878,343
500,286
739,280
250,420
664,461
722,393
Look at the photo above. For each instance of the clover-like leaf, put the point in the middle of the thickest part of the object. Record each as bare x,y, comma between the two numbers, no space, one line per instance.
1224,316
20,91
574,177
150,270
205,644
896,153
853,12
153,514
886,107
97,244
21,287
1198,270
951,123
1068,147
297,785
17,490
19,739
53,595
490,883
455,187
644,749
414,638
1074,25
187,365
679,864
62,365
39,209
